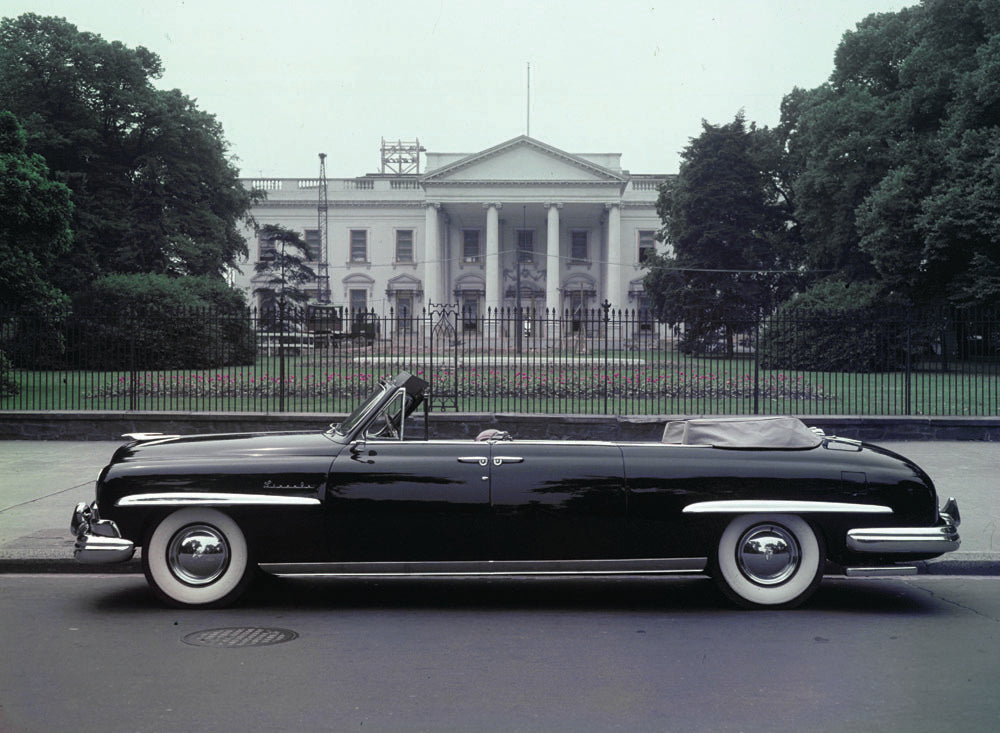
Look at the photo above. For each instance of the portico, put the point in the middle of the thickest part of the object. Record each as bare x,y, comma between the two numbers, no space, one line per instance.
527,216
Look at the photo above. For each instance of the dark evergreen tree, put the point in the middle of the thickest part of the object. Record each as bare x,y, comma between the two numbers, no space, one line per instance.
284,279
727,222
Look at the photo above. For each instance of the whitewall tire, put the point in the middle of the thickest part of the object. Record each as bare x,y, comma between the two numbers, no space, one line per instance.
197,558
768,561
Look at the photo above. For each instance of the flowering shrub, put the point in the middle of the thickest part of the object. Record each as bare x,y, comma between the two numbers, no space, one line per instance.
482,383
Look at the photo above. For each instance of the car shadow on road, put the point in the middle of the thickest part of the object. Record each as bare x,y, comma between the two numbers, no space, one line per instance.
695,594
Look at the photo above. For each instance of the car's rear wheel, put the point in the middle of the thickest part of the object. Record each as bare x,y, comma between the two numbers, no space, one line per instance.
197,558
768,561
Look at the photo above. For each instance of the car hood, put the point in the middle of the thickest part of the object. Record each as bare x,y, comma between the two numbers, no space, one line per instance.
227,447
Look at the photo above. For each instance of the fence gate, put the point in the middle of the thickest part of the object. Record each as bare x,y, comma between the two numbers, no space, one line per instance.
443,355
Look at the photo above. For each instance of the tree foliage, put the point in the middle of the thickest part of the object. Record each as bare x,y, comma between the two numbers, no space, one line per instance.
35,215
727,220
153,186
899,179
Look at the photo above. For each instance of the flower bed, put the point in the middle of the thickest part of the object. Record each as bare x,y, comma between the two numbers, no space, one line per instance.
490,383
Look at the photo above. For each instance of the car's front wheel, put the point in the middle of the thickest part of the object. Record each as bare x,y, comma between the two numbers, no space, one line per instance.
768,561
197,558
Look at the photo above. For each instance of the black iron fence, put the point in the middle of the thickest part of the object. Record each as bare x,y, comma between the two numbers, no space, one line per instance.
603,361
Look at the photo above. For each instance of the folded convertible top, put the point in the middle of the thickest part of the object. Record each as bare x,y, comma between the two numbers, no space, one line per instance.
759,432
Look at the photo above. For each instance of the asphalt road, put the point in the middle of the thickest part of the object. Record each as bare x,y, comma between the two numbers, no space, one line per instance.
95,653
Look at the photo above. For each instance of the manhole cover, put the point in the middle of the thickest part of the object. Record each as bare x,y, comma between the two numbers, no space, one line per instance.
240,636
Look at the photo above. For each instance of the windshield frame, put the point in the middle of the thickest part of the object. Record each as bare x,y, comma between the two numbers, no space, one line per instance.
362,411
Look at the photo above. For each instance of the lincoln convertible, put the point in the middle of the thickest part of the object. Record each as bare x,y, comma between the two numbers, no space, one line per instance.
763,505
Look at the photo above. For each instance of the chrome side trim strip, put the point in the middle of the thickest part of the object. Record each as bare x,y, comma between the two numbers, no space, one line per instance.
752,506
195,498
919,540
880,572
491,568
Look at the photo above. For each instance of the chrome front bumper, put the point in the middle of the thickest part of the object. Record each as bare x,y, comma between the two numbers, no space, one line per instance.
939,539
98,541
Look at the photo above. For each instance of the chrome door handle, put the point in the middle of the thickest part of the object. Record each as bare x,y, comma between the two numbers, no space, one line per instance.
478,460
498,460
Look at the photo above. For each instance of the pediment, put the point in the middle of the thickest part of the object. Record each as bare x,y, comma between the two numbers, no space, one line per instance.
404,282
523,160
358,278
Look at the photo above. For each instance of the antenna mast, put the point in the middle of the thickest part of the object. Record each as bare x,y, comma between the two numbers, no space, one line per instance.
323,215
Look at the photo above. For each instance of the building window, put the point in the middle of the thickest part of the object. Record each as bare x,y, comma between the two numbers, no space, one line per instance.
359,245
525,245
404,311
647,245
266,248
644,312
470,245
311,238
404,245
578,310
359,301
470,311
578,246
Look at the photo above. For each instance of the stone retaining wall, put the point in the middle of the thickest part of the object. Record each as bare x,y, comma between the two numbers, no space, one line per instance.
46,425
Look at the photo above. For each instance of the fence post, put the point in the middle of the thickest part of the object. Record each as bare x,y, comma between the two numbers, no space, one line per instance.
133,397
909,365
606,305
281,355
756,364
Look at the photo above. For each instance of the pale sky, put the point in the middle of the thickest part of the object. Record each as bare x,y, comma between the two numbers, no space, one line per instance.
289,79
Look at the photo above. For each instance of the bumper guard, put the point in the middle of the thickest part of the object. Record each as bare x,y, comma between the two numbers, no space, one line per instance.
98,541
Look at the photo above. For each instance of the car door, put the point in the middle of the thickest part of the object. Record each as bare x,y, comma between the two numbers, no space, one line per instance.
402,500
555,500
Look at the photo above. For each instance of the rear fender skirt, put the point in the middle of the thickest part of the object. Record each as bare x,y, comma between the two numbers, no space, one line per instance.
766,506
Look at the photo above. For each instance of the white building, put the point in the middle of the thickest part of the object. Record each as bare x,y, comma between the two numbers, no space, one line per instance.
577,226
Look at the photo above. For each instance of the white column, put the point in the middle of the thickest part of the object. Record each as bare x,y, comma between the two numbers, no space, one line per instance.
492,256
613,288
432,255
553,267
553,263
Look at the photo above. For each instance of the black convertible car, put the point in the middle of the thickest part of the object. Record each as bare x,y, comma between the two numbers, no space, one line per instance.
761,505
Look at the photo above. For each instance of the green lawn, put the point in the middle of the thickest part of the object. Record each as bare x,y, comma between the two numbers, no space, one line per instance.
619,383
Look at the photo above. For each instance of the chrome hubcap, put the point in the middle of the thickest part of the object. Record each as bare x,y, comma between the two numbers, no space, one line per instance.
768,554
198,554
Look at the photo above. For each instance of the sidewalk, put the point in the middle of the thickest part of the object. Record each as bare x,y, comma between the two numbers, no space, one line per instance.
41,482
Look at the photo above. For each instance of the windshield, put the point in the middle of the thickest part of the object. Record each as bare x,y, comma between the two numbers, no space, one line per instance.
360,412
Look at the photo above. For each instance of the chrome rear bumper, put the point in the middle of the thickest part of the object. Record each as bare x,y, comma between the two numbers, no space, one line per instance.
98,541
939,539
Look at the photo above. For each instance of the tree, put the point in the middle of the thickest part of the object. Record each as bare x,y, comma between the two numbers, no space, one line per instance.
153,186
727,220
283,276
35,213
898,154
